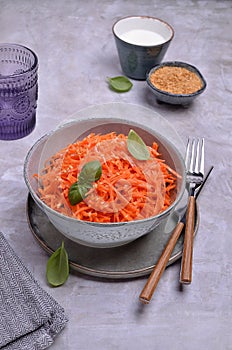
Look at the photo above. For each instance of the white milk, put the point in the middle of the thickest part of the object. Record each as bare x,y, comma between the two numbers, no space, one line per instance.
142,37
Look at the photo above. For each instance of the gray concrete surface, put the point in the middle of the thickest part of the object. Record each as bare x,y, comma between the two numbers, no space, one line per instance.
76,50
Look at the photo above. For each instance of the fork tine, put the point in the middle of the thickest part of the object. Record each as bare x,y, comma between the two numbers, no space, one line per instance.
187,155
198,157
193,157
202,162
199,166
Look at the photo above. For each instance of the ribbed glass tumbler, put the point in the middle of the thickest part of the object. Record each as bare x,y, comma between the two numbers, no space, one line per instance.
18,91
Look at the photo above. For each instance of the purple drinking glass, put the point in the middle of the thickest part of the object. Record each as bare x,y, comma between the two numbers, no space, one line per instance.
18,91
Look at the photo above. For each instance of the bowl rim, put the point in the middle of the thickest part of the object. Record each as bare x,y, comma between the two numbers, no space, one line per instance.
144,17
97,224
176,64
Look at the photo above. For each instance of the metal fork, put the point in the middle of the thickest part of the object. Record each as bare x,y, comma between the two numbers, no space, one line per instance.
153,280
194,161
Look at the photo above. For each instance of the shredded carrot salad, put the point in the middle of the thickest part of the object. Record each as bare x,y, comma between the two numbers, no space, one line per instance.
128,189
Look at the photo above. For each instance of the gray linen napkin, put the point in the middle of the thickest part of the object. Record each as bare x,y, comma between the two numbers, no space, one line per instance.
29,317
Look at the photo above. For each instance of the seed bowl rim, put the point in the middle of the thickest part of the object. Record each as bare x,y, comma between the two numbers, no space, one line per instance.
176,64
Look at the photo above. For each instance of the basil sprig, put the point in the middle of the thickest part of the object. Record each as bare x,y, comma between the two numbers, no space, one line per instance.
78,191
137,147
57,270
90,173
120,84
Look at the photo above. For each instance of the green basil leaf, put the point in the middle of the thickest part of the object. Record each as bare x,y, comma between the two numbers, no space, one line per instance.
90,172
137,147
120,84
78,191
58,267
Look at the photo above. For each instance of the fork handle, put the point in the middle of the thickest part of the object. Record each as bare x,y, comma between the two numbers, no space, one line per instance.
187,255
159,268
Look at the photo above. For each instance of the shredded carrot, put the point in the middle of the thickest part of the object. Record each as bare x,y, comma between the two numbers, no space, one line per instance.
129,189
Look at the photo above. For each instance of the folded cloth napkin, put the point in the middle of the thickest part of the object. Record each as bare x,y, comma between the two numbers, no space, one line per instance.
29,317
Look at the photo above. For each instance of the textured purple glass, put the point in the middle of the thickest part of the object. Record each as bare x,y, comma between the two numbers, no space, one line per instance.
18,91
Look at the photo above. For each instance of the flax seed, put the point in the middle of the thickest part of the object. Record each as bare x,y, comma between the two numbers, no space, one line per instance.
176,80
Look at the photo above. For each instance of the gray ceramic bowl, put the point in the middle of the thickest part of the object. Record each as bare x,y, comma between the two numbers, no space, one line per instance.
171,98
103,234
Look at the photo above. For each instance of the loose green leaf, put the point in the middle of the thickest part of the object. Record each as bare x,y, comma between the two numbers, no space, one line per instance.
58,267
120,84
90,172
137,147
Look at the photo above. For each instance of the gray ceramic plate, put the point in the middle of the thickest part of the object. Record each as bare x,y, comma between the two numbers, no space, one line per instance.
131,260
